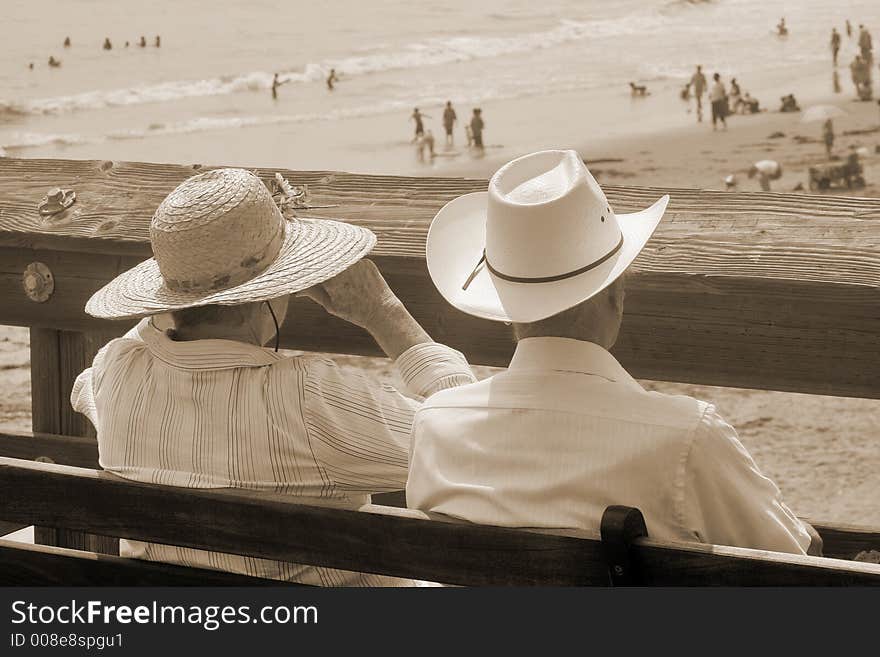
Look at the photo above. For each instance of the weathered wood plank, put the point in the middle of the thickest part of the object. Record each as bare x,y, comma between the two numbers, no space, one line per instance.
64,450
38,565
384,540
846,541
56,359
768,291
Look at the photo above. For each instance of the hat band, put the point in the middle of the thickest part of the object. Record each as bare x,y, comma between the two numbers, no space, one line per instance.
539,279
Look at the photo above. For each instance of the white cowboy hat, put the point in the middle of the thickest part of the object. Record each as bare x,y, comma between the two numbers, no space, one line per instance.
541,240
220,239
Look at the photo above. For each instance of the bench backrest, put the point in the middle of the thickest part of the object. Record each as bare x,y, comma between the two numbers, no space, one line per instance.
384,540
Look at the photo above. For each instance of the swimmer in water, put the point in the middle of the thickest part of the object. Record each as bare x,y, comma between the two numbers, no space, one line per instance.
276,82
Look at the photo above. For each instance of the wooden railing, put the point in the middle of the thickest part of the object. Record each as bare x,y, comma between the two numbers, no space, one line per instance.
764,291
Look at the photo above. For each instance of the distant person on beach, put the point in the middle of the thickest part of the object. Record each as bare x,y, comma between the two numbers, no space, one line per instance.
860,71
54,63
718,98
789,104
426,143
417,116
31,66
127,44
848,29
685,93
158,41
107,45
835,44
331,79
143,42
750,105
766,170
566,431
449,120
698,82
67,42
276,82
828,136
204,404
781,29
477,127
734,101
866,46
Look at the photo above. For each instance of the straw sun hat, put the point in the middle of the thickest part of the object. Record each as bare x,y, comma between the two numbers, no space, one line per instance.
542,239
219,238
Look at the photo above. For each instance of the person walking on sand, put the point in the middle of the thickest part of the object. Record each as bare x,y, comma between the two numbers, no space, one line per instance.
866,46
718,97
107,45
828,136
331,79
449,119
67,42
417,116
158,41
143,42
698,82
766,170
477,126
835,44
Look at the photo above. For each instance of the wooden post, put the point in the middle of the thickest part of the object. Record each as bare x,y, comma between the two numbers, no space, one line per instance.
57,357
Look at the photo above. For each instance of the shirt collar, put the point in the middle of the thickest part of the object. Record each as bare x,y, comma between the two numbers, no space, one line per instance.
204,354
568,355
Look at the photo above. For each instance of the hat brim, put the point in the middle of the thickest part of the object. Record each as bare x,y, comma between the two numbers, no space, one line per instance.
313,251
455,245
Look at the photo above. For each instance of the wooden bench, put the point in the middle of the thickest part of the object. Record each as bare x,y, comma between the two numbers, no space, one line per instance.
376,539
764,291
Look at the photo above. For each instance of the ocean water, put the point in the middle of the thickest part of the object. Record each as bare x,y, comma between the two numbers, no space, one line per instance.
545,73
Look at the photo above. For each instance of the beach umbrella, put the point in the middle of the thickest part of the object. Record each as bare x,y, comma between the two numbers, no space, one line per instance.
821,113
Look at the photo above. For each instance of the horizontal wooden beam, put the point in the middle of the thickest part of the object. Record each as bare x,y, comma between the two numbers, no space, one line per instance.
383,540
50,448
39,565
769,291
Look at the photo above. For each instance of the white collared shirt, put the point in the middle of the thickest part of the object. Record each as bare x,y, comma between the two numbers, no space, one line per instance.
565,432
225,414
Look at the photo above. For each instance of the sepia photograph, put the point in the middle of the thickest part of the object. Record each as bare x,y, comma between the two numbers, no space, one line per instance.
381,293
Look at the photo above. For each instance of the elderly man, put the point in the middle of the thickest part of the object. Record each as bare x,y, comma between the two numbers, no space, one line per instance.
205,405
565,431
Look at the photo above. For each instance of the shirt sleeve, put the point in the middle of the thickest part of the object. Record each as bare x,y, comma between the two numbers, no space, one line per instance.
431,367
727,501
82,396
359,429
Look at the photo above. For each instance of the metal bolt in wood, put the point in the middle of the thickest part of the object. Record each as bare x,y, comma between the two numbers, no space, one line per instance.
38,282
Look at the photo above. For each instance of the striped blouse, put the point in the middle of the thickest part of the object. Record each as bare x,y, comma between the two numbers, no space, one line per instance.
225,414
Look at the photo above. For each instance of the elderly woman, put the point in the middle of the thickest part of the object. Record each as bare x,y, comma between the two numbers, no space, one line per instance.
203,404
